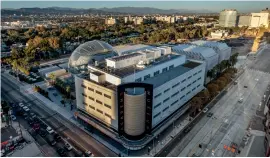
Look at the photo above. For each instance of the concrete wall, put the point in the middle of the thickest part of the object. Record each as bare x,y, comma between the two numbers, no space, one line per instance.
92,107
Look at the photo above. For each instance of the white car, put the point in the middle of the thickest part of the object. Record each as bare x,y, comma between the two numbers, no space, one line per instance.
205,110
13,117
26,109
21,105
240,100
49,130
68,146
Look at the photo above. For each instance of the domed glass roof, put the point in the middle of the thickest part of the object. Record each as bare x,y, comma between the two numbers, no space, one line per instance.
89,52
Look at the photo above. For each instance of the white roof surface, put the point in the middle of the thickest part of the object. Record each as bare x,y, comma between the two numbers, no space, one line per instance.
127,48
204,51
218,45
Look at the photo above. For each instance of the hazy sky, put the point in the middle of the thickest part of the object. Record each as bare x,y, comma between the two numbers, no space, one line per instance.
241,6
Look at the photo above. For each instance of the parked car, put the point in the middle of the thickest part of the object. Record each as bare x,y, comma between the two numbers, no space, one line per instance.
57,137
209,114
30,121
42,132
50,140
25,116
89,154
60,150
78,153
13,117
187,129
21,105
68,146
205,110
26,109
49,130
245,86
33,115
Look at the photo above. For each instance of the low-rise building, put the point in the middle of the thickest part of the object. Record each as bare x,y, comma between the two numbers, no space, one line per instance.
259,19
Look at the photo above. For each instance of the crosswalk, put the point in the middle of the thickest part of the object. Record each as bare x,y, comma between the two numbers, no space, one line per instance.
256,70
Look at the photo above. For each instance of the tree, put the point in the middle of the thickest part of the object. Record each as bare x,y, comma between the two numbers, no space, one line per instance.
68,89
52,78
196,104
204,95
213,89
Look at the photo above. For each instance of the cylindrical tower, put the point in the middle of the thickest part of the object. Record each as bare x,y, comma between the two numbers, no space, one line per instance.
134,112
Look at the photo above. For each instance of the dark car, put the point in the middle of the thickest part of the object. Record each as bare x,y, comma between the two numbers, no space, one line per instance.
25,116
30,121
187,129
209,114
61,152
245,86
33,115
78,153
57,137
36,120
55,94
50,140
42,132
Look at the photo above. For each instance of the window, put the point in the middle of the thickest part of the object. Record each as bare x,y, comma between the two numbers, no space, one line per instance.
188,85
193,89
147,76
83,86
107,96
99,111
188,93
170,67
183,80
157,105
84,95
195,74
183,89
91,98
138,80
157,95
189,77
199,78
156,73
99,102
108,115
200,71
90,89
166,100
165,109
164,69
194,81
182,97
175,85
108,106
92,107
175,94
174,102
199,85
84,103
157,115
166,90
98,92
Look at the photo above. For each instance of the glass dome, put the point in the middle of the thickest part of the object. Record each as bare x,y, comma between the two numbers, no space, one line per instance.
89,52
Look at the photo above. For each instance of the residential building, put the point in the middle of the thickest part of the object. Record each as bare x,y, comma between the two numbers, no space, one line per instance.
129,97
244,20
259,19
219,34
228,18
111,21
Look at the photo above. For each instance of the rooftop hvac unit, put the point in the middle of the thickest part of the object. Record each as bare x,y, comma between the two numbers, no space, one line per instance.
96,63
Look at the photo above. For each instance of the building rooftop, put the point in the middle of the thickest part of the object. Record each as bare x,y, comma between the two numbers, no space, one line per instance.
204,51
171,74
124,57
126,71
123,49
214,44
104,84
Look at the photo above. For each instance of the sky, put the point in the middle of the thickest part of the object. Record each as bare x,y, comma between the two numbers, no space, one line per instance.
241,6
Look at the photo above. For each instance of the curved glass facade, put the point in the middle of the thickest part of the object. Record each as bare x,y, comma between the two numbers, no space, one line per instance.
89,52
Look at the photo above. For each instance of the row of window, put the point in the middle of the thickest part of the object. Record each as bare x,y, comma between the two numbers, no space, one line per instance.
98,110
98,92
99,102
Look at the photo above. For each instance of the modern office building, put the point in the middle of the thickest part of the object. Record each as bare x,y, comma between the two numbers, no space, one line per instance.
222,49
130,97
228,18
244,20
198,53
259,20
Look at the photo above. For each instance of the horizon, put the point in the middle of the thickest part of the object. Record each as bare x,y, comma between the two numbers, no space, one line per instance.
213,6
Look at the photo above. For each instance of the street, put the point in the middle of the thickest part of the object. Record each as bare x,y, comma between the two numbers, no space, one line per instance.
76,135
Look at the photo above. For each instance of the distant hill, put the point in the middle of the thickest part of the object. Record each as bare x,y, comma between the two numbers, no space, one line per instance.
122,10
